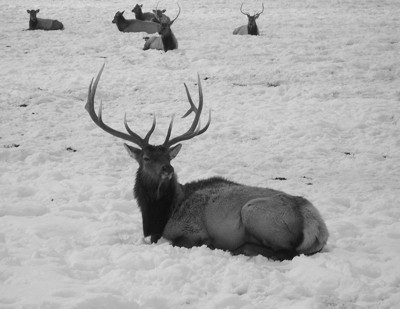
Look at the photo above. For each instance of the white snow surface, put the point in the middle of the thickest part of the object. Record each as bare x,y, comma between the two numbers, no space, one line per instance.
310,107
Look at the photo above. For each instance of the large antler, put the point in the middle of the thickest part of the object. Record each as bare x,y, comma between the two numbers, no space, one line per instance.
247,14
179,12
169,22
258,14
193,131
132,136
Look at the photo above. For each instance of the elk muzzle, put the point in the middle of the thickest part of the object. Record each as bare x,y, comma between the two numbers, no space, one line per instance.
167,172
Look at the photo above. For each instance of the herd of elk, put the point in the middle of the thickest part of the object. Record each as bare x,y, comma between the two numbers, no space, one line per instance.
214,212
251,28
167,40
146,22
41,23
134,25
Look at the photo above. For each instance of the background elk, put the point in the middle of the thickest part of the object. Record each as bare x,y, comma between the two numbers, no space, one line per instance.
251,28
147,15
41,23
167,40
134,25
160,16
215,212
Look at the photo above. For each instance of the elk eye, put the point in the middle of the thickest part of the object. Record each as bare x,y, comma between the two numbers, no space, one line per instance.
146,159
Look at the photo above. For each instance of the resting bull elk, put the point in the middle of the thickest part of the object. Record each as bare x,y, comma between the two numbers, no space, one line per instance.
167,40
215,212
134,25
41,23
251,27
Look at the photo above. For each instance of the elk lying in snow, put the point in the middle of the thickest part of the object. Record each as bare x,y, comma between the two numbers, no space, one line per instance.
43,24
134,25
147,15
215,212
251,28
167,40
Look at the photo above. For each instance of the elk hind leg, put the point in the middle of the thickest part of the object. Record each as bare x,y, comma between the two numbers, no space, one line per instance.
315,231
273,222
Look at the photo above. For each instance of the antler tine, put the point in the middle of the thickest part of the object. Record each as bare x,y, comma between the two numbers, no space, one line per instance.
153,126
192,107
206,126
247,14
194,129
169,130
144,141
196,110
131,137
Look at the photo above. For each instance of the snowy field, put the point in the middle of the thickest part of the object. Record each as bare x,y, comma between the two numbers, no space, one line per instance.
310,107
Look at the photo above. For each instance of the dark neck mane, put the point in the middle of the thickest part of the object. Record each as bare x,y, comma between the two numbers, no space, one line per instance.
155,203
33,23
252,30
169,41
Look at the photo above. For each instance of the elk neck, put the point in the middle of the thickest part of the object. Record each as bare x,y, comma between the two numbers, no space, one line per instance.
252,29
33,21
156,202
169,40
150,193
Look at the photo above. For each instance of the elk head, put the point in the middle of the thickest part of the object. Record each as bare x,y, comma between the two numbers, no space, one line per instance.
154,161
165,22
32,14
252,18
118,17
137,9
159,14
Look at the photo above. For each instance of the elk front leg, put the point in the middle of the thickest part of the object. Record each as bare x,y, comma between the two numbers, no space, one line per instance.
189,242
153,226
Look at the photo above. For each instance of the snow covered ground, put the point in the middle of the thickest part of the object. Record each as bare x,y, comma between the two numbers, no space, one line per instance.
310,107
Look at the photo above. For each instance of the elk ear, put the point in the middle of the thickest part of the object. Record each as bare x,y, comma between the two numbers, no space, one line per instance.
163,11
38,10
141,5
173,152
133,152
123,12
29,11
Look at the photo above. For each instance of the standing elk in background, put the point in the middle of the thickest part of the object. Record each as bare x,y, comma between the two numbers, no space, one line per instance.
148,16
215,212
41,23
251,28
143,16
134,25
167,40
